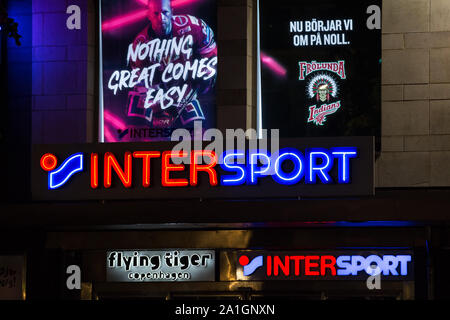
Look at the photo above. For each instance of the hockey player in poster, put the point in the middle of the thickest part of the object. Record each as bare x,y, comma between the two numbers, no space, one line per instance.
167,33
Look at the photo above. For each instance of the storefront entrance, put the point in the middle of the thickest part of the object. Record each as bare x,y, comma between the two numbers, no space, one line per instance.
225,283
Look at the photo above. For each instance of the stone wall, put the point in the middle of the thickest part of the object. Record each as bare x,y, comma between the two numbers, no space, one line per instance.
63,74
15,121
235,85
415,94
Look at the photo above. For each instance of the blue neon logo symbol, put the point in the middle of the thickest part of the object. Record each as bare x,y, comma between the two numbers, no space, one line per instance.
59,176
250,267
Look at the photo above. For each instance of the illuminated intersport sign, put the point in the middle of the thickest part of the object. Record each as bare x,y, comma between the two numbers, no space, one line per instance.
345,265
299,168
171,265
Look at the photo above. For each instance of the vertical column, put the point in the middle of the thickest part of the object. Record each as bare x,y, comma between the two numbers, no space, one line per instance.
16,110
235,96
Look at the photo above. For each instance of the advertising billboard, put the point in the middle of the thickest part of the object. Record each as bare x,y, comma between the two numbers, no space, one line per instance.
320,67
158,68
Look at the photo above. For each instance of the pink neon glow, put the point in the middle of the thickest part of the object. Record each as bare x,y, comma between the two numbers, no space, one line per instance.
116,122
175,3
109,137
135,16
124,20
273,65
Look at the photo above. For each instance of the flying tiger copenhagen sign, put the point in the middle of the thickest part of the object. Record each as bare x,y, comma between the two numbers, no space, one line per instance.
170,265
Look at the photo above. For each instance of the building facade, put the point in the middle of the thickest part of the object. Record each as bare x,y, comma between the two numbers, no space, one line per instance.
52,89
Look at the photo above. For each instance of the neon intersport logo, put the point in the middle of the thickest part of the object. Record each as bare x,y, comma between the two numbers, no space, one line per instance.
292,265
250,267
58,176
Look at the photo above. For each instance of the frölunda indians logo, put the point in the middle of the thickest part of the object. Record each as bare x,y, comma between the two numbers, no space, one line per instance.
322,87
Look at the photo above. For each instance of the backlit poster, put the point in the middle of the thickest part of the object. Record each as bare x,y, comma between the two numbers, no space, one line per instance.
159,68
320,67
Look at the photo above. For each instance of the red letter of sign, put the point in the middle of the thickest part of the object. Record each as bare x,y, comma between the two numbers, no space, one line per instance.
309,265
330,265
146,156
94,170
167,167
278,264
209,168
297,263
124,175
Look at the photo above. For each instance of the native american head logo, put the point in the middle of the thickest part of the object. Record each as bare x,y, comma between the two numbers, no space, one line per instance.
321,87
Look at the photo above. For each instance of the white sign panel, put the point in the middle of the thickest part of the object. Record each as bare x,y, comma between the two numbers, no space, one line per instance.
12,277
170,265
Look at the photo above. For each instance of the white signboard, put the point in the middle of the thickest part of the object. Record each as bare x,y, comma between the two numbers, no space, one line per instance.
12,277
169,265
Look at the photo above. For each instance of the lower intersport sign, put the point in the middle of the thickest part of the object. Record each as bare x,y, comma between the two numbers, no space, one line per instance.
310,167
324,265
171,265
